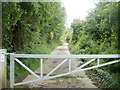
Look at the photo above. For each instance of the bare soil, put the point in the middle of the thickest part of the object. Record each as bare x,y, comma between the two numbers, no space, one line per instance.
81,80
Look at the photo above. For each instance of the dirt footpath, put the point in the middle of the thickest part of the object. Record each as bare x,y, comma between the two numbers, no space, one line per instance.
81,80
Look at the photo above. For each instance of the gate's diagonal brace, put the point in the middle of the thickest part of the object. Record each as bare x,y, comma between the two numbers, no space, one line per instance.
85,64
55,68
27,68
89,68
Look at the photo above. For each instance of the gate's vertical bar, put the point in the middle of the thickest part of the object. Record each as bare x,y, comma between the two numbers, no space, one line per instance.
3,68
98,61
69,65
41,67
11,70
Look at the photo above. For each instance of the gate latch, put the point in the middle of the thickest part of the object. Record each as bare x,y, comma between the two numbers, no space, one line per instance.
4,53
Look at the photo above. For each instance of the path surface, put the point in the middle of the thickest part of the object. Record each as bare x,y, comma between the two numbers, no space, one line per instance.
82,80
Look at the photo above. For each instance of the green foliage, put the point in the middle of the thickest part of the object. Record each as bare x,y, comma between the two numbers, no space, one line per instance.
66,36
77,27
106,79
98,34
31,27
27,25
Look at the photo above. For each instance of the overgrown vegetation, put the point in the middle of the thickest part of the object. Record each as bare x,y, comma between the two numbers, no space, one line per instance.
32,28
66,36
98,34
107,80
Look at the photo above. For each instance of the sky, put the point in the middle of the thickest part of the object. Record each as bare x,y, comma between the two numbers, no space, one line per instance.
77,9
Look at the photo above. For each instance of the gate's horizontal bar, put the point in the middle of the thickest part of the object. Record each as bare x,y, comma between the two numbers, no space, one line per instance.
65,56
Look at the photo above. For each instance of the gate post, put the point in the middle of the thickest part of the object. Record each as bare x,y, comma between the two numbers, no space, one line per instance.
3,68
11,70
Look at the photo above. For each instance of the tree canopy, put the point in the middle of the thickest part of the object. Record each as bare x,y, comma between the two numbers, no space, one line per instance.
27,25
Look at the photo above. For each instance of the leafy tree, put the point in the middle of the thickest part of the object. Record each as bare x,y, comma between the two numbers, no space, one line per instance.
32,27
98,34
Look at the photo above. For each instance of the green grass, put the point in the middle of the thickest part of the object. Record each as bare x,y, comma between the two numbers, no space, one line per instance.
18,87
66,76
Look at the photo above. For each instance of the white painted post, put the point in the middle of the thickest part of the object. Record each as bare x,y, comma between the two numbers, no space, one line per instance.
41,67
12,62
3,68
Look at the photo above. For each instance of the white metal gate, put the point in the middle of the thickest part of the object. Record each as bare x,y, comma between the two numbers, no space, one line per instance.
16,57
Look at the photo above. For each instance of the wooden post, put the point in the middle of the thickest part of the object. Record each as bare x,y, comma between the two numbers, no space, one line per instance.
3,68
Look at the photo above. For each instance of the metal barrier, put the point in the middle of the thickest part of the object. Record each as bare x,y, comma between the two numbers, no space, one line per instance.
15,57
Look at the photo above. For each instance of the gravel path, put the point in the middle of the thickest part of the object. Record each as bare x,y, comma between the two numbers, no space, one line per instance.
82,80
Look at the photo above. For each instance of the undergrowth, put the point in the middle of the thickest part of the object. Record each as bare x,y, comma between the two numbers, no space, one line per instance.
105,79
